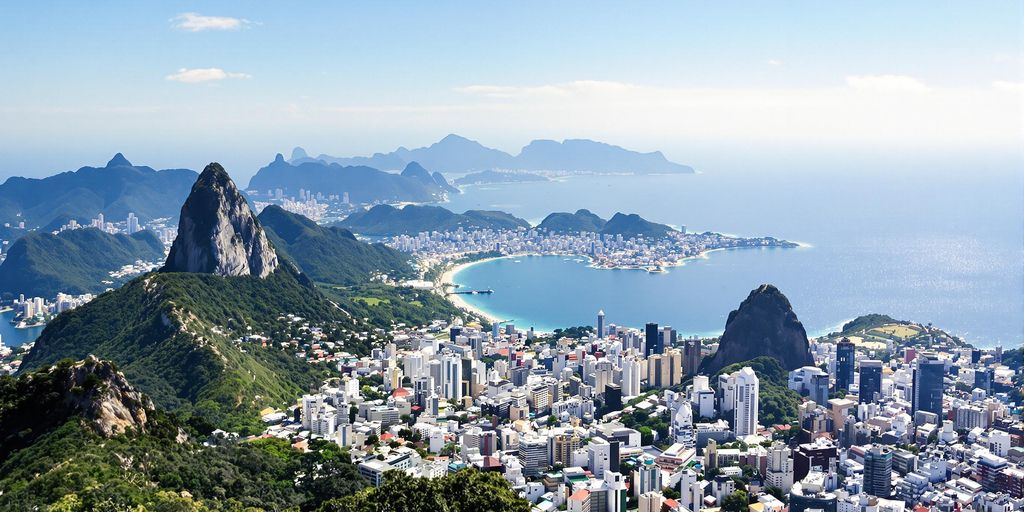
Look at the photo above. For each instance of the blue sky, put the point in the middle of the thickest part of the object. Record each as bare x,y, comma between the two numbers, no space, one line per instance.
183,83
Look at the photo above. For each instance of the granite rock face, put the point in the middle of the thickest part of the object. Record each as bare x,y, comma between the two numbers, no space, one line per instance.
218,232
763,325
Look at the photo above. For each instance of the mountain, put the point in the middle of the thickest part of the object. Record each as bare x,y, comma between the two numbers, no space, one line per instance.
632,225
485,177
763,325
115,190
413,219
217,232
363,184
78,436
592,156
628,225
92,391
75,261
454,153
330,254
178,334
579,222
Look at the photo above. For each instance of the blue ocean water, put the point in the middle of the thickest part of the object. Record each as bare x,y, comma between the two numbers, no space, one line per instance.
937,242
12,336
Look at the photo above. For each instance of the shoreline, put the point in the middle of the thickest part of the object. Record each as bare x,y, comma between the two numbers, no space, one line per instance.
448,276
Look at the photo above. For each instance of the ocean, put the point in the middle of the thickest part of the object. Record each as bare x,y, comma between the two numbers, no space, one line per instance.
937,242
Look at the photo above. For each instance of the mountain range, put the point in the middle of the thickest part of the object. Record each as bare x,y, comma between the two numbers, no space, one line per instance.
363,184
455,153
413,219
330,254
176,333
74,261
628,225
115,190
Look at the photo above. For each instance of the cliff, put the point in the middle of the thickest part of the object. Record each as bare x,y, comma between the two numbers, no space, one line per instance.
218,233
763,325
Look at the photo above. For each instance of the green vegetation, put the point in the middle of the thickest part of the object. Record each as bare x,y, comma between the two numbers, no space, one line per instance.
866,322
75,261
114,190
465,491
175,337
778,404
74,468
330,255
387,220
383,305
647,425
576,333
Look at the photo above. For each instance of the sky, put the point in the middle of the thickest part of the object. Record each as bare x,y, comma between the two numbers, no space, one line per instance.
179,84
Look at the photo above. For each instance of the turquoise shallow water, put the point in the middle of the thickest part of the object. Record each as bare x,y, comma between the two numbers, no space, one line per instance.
942,247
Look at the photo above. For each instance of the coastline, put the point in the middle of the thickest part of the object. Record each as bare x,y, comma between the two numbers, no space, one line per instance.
448,276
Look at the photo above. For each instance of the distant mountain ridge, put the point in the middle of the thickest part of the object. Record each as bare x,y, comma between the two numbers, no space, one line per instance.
413,219
489,176
76,261
330,254
628,225
455,153
115,190
362,183
176,333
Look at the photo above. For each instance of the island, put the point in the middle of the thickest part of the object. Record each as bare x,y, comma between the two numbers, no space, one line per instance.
490,177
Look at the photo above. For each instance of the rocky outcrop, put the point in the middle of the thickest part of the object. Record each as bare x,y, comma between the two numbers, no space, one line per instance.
91,391
100,394
763,325
218,232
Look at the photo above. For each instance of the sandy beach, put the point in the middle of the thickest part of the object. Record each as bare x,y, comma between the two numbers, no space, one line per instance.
448,278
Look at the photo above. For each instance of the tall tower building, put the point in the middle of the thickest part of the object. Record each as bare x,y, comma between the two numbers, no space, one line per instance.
631,369
746,401
927,393
691,356
844,364
451,377
600,324
653,340
870,387
878,472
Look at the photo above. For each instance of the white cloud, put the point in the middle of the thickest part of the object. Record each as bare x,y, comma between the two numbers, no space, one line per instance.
774,62
198,75
890,83
194,22
1003,85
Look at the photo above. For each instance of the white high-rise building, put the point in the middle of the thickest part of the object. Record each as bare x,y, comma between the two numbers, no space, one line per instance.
413,364
451,377
132,224
631,371
779,471
746,390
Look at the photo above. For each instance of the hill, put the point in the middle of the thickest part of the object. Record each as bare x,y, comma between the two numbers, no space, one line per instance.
178,334
455,153
76,261
777,404
487,177
362,183
330,254
579,222
763,325
628,225
79,436
413,219
632,225
115,190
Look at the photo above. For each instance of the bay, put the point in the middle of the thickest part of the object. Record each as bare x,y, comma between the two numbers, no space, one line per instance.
930,241
12,336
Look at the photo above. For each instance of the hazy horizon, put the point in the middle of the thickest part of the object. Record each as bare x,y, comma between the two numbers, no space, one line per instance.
179,85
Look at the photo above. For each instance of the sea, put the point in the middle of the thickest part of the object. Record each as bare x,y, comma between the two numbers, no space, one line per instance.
12,336
937,241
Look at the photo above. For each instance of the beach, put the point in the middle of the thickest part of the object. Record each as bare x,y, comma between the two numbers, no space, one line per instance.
448,277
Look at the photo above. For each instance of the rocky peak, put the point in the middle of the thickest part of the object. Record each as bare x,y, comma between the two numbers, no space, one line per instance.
119,161
763,325
218,232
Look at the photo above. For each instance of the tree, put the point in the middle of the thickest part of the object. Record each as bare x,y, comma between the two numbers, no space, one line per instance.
736,502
